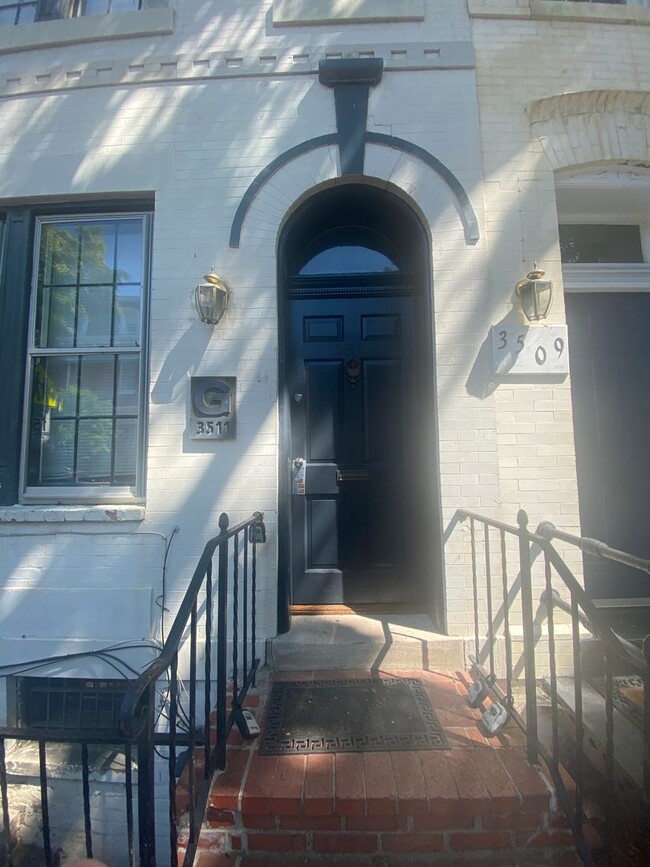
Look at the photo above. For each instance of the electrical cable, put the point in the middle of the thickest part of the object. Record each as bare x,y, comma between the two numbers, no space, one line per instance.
160,600
42,662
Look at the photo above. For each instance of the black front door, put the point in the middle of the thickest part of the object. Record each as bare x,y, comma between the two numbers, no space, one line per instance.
610,387
354,367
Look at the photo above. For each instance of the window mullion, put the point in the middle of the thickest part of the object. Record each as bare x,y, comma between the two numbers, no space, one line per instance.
114,420
75,459
76,302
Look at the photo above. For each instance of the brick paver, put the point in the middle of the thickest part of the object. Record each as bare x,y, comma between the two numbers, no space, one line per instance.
390,809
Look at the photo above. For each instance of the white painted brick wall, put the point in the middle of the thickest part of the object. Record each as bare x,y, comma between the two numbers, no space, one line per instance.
197,145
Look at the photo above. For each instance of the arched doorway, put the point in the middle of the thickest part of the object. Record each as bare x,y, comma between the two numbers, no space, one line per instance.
359,522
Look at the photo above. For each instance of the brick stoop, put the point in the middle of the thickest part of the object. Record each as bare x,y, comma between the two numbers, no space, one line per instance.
479,799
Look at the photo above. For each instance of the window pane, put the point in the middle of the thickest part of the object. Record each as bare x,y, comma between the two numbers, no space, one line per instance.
97,252
126,432
126,396
129,252
55,316
27,14
59,255
600,243
127,316
7,16
351,259
57,454
96,387
124,5
95,7
54,385
95,439
95,316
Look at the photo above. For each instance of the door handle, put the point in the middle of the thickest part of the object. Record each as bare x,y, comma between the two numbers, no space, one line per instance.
351,476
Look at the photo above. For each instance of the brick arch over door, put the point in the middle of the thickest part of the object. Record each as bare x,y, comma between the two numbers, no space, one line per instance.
387,158
593,126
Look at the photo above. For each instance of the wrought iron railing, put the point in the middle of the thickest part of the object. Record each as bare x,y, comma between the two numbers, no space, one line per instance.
529,658
192,726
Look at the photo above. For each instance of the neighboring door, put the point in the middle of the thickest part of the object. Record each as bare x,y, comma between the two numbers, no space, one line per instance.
355,390
610,385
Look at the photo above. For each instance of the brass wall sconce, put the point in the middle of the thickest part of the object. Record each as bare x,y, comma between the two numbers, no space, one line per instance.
535,295
211,298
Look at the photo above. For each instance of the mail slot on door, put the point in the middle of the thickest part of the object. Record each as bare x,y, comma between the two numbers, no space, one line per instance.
351,476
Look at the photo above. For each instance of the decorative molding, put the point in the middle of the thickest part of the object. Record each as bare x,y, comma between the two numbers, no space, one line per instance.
464,206
595,126
266,61
606,277
589,102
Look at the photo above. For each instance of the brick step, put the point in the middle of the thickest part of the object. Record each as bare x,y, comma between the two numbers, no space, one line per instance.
478,799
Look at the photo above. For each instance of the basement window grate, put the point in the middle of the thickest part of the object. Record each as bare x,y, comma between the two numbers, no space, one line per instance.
66,703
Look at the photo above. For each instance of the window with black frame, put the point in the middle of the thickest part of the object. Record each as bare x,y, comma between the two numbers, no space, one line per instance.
84,409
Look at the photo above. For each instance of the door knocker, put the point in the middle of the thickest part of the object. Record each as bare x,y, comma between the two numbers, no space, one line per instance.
353,371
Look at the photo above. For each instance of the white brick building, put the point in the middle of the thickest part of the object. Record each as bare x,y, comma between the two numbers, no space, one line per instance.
169,139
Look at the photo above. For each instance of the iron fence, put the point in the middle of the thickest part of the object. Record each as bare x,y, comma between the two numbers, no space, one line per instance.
154,716
530,659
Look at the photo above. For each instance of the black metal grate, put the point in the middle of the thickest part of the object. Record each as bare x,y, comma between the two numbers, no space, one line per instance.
68,703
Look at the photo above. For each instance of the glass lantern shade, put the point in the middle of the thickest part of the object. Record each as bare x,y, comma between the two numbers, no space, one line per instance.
211,299
535,296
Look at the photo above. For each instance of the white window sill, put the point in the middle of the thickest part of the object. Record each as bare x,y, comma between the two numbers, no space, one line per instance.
93,28
291,13
553,10
66,514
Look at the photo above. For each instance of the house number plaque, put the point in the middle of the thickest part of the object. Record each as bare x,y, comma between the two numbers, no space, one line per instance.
521,351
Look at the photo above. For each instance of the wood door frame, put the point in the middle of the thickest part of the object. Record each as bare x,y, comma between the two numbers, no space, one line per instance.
435,603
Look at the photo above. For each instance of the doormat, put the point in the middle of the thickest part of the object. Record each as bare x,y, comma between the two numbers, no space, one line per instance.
350,716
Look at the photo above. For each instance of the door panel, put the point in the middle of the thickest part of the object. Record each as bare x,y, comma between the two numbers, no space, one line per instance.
354,383
610,387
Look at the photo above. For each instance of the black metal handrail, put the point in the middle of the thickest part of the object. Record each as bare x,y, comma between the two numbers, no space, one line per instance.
594,547
536,548
202,735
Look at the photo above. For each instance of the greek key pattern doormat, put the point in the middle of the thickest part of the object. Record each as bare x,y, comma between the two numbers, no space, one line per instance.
343,716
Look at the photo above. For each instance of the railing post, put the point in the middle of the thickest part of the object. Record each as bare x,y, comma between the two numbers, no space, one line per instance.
222,643
646,715
529,636
146,783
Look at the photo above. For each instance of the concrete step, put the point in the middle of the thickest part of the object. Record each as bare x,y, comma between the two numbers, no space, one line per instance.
403,642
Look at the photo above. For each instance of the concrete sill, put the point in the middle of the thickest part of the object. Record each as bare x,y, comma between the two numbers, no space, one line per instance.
106,514
119,25
291,13
554,10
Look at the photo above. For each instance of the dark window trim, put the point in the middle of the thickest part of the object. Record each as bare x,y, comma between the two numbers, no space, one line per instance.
15,291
